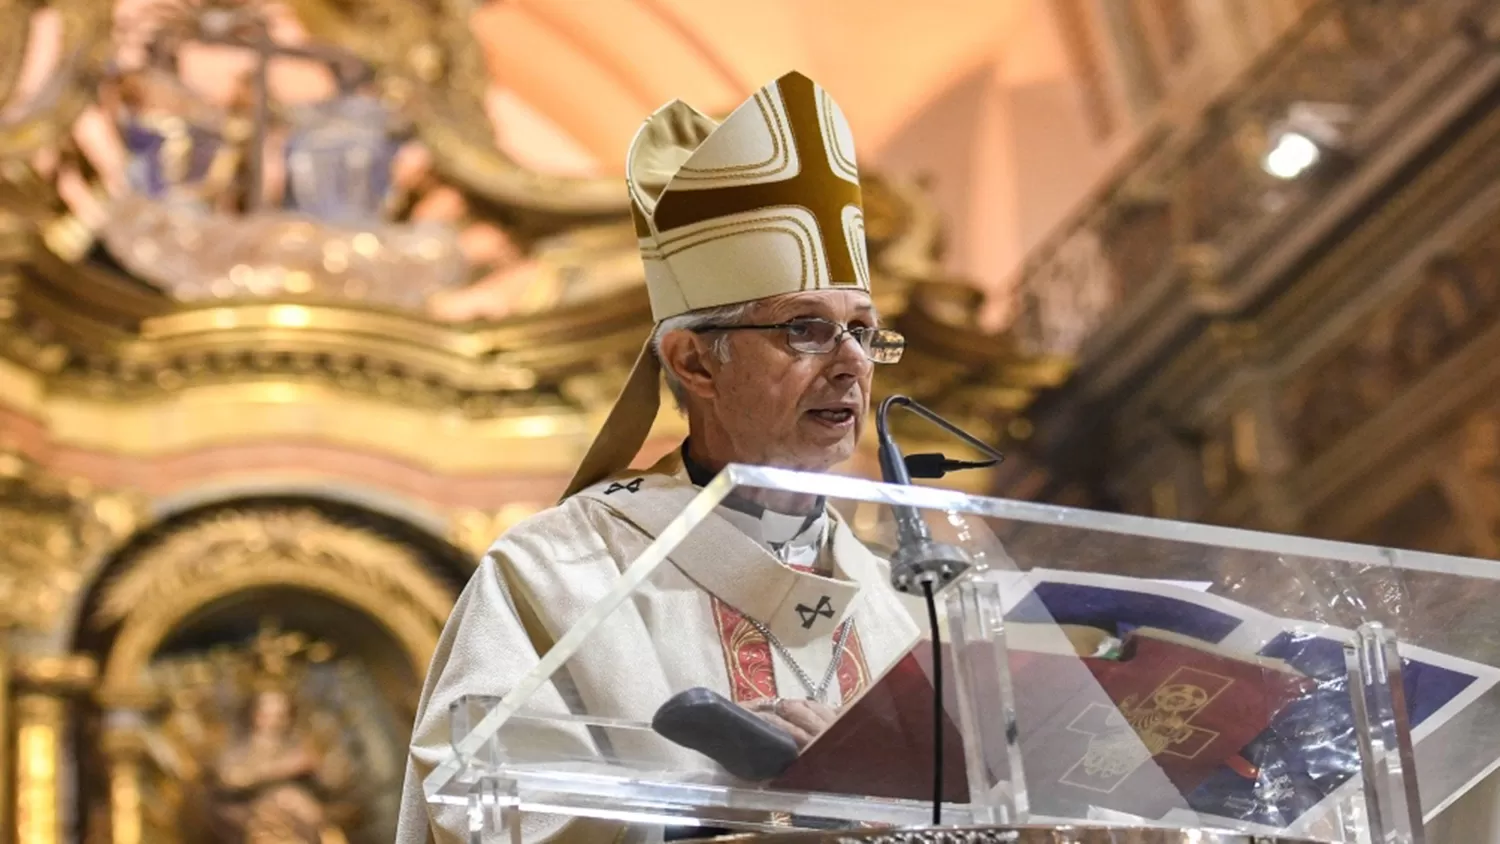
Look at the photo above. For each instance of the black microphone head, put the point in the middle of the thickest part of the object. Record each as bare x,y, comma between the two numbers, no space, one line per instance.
925,560
927,465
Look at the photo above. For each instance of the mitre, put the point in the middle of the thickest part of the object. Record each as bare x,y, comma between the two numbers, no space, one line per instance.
765,203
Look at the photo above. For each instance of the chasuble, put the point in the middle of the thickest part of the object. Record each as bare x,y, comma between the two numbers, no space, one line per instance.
700,620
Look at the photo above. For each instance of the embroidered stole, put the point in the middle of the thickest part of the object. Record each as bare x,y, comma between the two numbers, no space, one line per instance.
650,502
748,659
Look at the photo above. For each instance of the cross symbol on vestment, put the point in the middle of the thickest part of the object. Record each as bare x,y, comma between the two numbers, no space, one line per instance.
816,186
1122,740
809,615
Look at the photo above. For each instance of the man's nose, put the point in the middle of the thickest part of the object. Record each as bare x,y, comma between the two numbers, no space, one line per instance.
849,358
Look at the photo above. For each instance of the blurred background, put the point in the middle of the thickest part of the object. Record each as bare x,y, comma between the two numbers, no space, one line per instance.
303,302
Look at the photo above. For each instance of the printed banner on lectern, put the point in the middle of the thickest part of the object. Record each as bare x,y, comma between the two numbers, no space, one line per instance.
1248,715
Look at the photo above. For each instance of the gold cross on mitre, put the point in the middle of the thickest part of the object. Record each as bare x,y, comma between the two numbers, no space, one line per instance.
766,203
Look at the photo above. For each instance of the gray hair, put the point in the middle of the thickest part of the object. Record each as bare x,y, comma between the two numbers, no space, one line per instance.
695,320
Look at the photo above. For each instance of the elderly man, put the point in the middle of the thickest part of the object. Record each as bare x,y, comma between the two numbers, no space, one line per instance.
752,236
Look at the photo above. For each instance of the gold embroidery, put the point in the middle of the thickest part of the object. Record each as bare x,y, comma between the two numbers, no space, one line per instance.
817,186
780,148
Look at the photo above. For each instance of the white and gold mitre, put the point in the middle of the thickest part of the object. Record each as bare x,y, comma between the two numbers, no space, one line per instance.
765,203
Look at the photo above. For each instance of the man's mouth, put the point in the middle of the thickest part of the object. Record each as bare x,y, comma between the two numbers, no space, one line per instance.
836,416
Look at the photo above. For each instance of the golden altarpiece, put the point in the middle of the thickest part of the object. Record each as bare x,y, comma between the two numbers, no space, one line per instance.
283,345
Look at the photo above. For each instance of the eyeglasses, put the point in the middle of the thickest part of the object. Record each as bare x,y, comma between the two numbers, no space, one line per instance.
816,336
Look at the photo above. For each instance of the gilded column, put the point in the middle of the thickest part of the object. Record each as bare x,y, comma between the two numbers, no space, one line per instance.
40,720
46,685
124,748
5,732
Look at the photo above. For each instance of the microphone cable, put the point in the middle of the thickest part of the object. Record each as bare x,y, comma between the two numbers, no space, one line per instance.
938,716
930,563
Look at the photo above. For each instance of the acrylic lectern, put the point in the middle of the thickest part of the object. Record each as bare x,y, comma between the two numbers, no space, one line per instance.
1109,677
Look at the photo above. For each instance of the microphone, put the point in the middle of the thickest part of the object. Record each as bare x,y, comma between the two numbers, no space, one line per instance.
921,563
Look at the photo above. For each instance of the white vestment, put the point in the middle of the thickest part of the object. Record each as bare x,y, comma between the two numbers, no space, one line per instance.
686,627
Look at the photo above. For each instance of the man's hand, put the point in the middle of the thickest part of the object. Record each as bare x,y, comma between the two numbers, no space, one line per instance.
805,720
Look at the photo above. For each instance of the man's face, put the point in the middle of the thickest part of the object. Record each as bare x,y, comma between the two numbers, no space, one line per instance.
774,406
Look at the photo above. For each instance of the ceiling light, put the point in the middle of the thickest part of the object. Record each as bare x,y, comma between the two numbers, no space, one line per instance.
1292,155
1308,134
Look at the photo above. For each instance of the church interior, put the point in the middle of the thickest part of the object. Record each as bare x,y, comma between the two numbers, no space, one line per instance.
304,302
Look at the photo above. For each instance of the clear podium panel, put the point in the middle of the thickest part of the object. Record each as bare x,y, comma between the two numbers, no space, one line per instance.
769,661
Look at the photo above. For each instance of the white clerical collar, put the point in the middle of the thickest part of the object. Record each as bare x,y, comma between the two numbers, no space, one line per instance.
794,539
800,599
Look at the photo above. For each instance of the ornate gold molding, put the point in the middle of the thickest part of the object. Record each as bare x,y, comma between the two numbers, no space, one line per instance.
112,375
61,673
84,43
53,526
13,40
236,551
431,63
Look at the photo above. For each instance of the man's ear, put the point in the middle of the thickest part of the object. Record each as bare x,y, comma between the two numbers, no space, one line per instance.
688,356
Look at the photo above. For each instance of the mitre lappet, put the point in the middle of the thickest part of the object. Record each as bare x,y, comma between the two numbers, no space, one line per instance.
763,204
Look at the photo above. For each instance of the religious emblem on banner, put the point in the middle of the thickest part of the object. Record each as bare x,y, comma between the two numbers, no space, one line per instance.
1123,739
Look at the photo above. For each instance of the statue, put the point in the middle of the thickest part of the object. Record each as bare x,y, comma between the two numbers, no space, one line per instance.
276,782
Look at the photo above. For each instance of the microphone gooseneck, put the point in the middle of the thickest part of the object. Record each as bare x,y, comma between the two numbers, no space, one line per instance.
919,559
921,564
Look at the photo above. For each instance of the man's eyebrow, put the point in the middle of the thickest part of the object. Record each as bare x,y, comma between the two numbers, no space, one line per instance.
795,310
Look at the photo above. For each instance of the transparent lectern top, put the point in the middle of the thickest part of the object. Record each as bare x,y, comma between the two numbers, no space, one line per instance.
754,667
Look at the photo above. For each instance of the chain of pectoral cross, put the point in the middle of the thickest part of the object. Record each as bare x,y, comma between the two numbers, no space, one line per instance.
819,691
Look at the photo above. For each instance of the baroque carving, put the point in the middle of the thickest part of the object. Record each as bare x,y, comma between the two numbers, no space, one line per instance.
430,57
13,45
45,119
1068,295
549,313
1209,189
53,528
251,743
1471,482
1456,297
234,551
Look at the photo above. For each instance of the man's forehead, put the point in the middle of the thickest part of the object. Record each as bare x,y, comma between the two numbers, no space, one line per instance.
844,301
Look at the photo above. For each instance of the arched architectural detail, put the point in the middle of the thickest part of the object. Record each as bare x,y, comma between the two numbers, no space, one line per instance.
185,565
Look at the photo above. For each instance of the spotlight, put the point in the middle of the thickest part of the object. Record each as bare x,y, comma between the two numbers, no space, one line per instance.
1307,136
1292,155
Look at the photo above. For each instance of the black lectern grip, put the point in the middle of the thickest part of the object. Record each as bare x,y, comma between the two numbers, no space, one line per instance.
703,720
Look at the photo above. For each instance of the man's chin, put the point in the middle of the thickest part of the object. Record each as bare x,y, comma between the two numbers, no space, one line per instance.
820,457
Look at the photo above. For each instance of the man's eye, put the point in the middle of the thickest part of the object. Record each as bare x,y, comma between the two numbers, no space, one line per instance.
799,329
